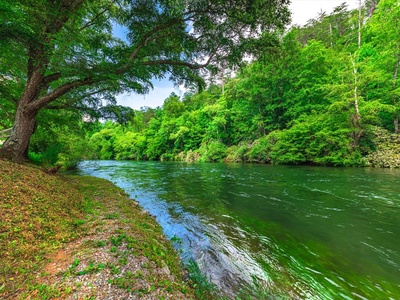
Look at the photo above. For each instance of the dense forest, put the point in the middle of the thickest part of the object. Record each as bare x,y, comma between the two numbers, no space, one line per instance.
325,93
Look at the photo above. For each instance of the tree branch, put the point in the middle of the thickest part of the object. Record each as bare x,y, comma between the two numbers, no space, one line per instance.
149,34
180,63
50,78
146,38
66,105
65,11
89,23
5,131
60,91
174,63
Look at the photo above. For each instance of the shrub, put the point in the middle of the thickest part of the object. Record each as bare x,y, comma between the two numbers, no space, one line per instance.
238,153
214,151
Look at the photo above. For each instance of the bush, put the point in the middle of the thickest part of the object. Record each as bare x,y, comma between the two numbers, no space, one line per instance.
167,157
189,156
315,139
214,151
130,145
261,148
75,149
238,153
47,157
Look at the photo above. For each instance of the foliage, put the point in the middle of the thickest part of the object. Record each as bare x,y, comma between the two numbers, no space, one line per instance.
214,151
315,139
64,55
314,98
61,140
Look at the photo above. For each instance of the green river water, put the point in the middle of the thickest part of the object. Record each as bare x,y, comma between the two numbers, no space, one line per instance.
298,231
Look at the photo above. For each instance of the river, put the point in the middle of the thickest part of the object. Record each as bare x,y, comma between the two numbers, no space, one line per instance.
299,231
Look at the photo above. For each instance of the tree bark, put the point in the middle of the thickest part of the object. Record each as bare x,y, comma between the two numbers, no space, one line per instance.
396,117
357,117
16,146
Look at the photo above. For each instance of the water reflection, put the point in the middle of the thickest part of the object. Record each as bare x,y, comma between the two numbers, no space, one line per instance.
305,232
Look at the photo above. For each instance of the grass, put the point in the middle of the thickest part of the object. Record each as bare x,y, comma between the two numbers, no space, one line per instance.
41,213
202,286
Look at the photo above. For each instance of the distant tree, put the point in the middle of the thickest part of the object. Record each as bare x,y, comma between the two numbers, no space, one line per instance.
68,56
383,40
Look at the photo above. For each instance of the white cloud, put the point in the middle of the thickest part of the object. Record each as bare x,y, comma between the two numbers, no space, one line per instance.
304,10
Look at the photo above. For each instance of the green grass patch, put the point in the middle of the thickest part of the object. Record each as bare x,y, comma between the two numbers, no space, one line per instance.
91,268
41,212
204,289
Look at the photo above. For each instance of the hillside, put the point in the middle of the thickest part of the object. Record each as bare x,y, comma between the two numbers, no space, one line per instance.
319,98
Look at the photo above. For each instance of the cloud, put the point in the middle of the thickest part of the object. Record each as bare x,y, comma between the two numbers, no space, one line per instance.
304,10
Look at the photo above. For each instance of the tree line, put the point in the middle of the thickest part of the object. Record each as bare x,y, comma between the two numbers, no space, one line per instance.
318,97
62,54
324,93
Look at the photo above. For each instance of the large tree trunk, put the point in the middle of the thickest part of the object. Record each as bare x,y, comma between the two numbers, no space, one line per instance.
16,146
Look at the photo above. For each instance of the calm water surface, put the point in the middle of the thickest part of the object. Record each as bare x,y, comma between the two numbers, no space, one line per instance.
304,232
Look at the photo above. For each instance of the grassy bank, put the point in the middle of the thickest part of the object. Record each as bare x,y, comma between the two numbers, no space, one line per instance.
81,237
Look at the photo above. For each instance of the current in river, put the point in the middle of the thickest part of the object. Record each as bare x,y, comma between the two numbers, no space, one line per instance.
300,232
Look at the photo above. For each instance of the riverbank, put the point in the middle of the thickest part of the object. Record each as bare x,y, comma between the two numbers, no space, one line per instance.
78,237
387,153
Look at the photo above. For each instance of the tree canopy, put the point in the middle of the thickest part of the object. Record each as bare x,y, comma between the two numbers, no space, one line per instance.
63,53
323,98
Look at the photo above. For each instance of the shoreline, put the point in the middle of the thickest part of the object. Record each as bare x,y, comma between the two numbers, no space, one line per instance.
72,236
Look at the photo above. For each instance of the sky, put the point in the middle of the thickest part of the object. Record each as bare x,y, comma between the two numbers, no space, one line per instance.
302,11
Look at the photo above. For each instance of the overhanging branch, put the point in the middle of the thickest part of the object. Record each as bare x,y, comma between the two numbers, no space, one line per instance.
66,105
52,77
60,91
91,22
149,36
192,66
174,63
5,133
